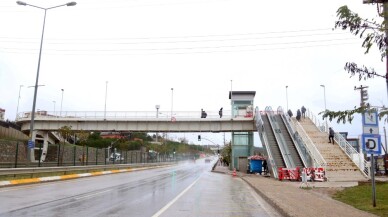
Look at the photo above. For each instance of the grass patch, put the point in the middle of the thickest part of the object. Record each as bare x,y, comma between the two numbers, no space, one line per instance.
360,197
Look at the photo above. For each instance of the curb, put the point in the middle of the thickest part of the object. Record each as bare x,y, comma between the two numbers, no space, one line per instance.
71,176
268,200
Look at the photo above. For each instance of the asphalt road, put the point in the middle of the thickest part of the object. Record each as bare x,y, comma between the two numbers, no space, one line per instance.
183,190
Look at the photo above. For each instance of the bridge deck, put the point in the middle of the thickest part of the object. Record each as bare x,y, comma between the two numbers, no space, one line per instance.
139,122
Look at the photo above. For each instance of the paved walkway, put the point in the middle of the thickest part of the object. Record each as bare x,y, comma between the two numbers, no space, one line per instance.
290,200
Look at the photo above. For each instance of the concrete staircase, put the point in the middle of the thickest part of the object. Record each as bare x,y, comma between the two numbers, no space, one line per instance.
339,166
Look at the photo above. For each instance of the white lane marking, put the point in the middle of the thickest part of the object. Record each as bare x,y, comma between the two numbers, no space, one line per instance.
162,210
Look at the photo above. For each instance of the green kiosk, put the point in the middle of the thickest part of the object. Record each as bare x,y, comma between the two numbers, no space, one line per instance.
242,142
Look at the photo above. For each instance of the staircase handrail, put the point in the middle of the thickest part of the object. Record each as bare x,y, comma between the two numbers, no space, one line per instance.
259,125
353,154
283,149
318,159
295,137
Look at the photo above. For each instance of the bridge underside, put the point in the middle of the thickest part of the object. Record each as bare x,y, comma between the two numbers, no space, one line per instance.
157,125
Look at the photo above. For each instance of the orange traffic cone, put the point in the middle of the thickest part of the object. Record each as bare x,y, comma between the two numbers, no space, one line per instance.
234,174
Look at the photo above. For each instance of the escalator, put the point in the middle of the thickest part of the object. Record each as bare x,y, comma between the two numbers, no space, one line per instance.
272,144
279,144
293,153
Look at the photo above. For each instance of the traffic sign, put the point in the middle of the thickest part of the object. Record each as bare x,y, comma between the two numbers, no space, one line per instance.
370,130
371,143
30,144
370,118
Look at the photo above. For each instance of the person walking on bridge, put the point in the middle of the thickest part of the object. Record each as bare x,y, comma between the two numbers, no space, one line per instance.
220,112
298,115
289,112
303,112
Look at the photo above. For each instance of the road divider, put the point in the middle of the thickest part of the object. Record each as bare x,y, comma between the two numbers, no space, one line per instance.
74,176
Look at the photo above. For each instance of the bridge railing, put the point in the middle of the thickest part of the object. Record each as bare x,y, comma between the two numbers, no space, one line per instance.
353,154
162,115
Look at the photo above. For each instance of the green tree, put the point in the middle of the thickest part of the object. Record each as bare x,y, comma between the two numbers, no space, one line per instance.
372,33
65,133
226,153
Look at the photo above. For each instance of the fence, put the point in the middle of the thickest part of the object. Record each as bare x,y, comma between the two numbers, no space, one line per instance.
14,155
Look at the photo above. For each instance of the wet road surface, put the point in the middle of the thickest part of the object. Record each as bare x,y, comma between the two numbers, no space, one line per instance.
182,190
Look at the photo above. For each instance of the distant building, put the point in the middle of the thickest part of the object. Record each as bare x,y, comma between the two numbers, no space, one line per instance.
2,114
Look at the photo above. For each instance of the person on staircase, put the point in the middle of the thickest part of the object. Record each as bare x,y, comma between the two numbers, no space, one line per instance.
331,135
298,114
303,112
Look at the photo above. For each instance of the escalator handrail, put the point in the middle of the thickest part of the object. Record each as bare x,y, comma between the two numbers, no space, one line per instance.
282,147
265,141
298,142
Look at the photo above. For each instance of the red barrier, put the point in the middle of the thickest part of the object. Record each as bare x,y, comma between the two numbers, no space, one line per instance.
292,174
315,173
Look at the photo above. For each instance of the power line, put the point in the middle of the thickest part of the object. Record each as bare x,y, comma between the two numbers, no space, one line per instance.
180,37
175,42
188,52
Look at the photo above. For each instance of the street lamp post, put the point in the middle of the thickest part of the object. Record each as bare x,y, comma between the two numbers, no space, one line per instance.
30,154
324,98
60,113
172,100
157,116
54,106
287,96
17,108
106,95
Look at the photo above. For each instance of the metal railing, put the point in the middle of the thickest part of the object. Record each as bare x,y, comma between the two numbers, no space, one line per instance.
318,159
355,156
127,115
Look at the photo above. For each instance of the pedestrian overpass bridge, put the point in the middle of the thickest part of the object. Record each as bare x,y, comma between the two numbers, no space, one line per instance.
92,121
288,143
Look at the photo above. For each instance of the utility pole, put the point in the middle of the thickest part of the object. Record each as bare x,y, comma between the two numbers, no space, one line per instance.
363,94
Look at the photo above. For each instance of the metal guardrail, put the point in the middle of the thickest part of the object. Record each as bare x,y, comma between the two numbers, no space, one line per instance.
36,170
123,115
354,155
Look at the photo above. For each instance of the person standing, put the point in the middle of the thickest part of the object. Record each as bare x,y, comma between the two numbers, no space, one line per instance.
289,112
303,112
220,112
331,135
298,115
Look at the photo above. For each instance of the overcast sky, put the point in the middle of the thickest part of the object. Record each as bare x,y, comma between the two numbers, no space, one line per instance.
145,48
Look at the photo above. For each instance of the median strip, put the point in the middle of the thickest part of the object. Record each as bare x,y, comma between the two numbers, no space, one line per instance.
70,176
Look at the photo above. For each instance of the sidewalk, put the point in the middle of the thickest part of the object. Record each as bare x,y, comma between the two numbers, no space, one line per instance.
290,200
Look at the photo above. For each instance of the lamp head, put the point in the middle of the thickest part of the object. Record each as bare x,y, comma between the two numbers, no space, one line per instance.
71,4
322,85
21,3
